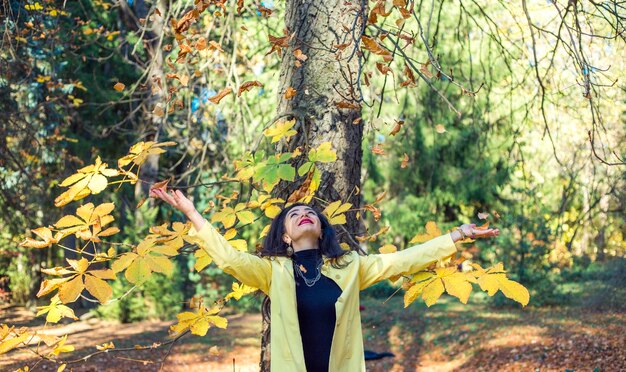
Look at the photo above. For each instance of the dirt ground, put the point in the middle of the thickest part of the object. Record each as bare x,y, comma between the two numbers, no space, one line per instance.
446,337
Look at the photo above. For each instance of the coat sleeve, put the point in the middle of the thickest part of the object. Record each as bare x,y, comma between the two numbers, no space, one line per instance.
376,267
249,269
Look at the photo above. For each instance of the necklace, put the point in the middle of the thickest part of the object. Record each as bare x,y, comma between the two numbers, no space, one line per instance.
307,281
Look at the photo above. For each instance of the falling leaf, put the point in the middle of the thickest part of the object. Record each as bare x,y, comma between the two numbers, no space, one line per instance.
378,149
299,55
222,93
432,231
398,125
483,215
405,161
119,87
247,86
290,93
440,128
424,70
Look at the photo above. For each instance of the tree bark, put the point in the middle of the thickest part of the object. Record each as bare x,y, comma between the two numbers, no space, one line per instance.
328,76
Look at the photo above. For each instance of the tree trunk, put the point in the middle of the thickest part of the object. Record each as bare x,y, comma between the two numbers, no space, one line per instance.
325,78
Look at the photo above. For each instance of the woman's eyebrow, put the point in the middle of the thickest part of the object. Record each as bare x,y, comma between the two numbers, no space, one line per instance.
294,211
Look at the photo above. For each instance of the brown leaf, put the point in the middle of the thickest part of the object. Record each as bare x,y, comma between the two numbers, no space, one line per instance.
483,215
214,45
187,19
397,127
299,55
383,68
348,105
247,86
290,93
357,121
424,70
200,44
218,97
373,46
378,149
119,86
161,185
158,111
405,161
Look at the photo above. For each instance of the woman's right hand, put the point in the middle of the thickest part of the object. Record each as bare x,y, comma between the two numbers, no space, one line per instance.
176,199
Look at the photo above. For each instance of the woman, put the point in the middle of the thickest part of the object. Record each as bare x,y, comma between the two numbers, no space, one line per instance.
312,283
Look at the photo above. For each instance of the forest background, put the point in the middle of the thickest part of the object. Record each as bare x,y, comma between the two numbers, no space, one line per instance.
511,114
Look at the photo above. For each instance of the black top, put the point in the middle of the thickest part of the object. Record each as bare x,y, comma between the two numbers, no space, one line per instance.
316,310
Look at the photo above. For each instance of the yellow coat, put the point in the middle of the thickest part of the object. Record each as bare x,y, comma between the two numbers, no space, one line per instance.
274,276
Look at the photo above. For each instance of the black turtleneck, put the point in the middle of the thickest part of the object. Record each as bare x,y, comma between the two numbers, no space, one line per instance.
316,310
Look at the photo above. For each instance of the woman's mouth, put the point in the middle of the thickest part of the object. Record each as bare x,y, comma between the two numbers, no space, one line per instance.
306,220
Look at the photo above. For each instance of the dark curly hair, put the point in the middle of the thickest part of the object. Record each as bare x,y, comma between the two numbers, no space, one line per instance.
274,245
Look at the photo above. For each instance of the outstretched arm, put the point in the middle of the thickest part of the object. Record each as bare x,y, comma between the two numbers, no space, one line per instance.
376,267
245,267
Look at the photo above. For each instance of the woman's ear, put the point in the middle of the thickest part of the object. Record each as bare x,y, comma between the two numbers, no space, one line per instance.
286,239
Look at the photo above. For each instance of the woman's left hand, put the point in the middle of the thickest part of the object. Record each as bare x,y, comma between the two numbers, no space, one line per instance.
470,231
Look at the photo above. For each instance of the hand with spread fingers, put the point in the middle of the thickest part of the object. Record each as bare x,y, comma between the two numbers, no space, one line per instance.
469,231
178,200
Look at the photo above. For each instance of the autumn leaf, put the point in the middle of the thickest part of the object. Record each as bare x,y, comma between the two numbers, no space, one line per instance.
88,222
91,179
45,234
299,55
347,105
494,278
383,68
280,129
239,290
106,346
424,70
432,231
71,287
227,216
405,161
373,46
119,86
140,151
171,240
222,93
161,185
8,343
247,86
396,128
440,128
199,322
483,215
378,149
335,212
387,248
56,310
146,259
290,93
61,347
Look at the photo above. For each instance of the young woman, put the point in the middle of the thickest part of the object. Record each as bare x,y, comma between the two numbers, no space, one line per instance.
313,284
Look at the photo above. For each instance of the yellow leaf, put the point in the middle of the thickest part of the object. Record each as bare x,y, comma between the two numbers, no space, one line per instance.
202,259
458,286
239,290
324,153
514,290
432,229
62,367
415,291
69,291
387,248
159,264
421,276
123,262
61,347
490,283
10,343
98,288
56,310
138,271
432,292
106,346
49,285
280,129
245,217
334,211
42,232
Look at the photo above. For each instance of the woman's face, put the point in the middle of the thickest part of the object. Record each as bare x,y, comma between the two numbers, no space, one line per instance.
301,222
